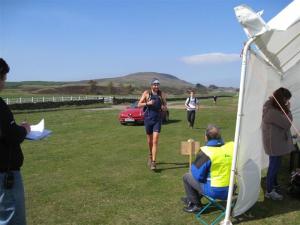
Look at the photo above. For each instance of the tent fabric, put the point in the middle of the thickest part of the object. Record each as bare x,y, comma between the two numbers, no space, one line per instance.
252,22
261,80
291,80
279,45
286,18
282,48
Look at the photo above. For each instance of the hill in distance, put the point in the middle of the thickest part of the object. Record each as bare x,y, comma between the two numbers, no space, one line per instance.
143,79
133,83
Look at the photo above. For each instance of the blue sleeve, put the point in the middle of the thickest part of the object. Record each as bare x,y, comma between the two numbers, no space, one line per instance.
200,174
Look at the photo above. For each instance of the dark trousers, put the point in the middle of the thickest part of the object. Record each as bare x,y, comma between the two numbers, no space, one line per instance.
274,165
193,188
191,117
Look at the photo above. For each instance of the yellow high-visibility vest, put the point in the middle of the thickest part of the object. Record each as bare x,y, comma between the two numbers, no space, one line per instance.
220,158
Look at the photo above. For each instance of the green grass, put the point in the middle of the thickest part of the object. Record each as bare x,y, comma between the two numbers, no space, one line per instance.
92,170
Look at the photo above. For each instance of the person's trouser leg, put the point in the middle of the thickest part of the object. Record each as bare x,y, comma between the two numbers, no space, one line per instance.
20,217
12,203
193,188
192,118
274,165
188,117
7,203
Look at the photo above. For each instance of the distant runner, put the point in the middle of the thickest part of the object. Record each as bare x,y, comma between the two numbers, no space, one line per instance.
191,104
215,99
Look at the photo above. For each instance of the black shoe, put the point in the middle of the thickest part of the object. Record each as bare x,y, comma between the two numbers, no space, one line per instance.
192,208
185,200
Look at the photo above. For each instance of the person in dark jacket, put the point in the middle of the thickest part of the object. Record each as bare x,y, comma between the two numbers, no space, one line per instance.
12,204
276,134
210,172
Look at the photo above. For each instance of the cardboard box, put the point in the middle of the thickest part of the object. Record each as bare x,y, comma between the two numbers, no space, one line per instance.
189,147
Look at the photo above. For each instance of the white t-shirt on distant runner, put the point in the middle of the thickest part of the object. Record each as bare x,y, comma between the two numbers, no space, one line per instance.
192,104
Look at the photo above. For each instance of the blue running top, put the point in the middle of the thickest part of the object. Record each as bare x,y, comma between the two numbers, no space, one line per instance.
153,112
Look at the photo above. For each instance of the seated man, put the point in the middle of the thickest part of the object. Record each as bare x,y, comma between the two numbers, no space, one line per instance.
210,172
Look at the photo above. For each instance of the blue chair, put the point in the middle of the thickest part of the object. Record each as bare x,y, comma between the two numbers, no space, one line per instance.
212,203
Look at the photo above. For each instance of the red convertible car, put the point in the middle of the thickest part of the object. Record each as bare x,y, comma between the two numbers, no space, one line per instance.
135,115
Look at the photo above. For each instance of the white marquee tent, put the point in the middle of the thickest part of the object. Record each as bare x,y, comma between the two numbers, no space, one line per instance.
270,60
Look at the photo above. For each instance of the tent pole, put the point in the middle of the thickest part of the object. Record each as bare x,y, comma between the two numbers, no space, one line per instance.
227,221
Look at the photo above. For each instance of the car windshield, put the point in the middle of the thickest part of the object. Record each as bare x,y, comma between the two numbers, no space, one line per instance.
134,105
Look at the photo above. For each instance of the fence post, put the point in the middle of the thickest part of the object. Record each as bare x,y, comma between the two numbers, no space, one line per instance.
43,99
31,99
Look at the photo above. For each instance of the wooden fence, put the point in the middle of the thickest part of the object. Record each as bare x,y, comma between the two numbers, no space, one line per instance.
42,99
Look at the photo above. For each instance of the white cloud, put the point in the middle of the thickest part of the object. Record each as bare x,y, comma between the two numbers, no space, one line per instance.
210,58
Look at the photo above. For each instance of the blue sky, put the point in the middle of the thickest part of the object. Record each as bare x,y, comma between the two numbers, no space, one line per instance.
196,40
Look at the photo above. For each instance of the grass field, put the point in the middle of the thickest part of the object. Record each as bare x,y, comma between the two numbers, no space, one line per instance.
92,170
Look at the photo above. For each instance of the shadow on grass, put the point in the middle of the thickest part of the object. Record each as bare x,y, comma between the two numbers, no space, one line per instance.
270,208
170,166
200,128
171,121
204,128
133,124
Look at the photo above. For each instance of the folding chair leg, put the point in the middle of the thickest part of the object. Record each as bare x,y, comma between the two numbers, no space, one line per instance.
198,215
218,219
211,202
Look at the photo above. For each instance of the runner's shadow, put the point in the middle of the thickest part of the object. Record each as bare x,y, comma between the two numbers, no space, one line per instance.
200,128
170,166
171,121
